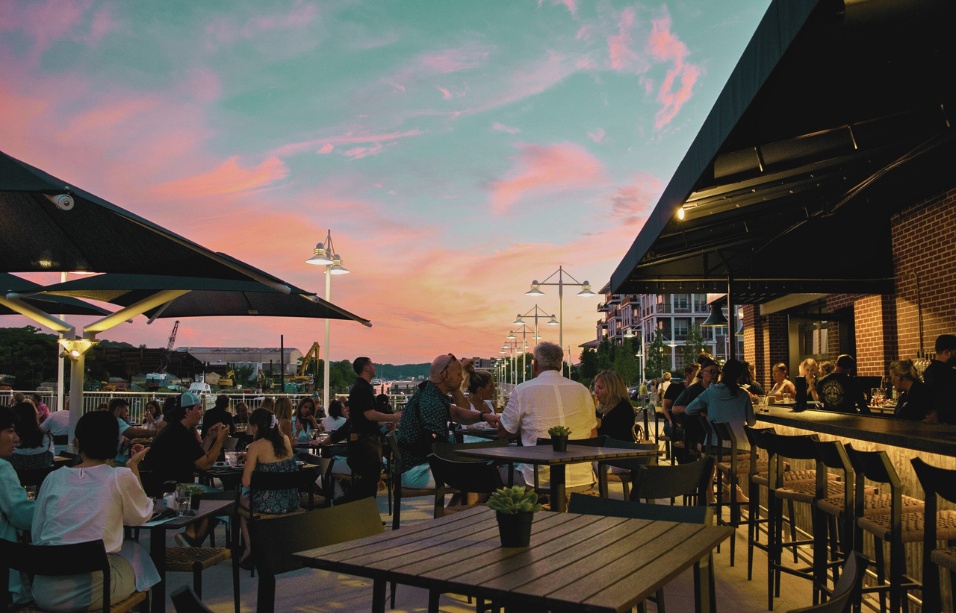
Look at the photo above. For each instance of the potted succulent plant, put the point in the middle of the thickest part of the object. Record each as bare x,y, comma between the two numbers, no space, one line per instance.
559,437
195,493
515,508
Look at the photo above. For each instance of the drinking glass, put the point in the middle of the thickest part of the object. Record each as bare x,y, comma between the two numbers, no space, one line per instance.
183,498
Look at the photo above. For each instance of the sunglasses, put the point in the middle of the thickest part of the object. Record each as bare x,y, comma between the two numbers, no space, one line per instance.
712,371
453,359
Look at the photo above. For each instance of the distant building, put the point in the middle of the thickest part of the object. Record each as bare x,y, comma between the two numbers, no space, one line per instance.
217,358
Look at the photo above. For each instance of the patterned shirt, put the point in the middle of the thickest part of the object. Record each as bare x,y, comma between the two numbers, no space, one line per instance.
424,419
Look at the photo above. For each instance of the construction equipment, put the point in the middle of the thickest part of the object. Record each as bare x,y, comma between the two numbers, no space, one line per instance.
303,379
228,380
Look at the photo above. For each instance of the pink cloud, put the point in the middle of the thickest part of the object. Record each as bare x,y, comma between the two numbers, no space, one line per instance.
500,127
597,135
325,145
228,179
51,21
546,169
445,94
679,81
238,27
357,153
620,53
571,5
632,203
455,60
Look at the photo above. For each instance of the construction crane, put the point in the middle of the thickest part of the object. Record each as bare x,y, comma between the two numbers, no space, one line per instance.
172,337
156,380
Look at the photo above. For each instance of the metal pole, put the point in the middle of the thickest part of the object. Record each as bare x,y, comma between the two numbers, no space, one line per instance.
328,334
560,307
60,380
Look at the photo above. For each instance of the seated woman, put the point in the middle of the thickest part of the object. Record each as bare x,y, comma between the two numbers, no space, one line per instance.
810,370
726,403
781,384
283,412
915,399
16,511
614,410
91,501
270,451
153,416
304,422
338,415
36,446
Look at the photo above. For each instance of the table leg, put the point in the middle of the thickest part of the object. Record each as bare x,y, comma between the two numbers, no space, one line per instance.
378,596
559,501
157,551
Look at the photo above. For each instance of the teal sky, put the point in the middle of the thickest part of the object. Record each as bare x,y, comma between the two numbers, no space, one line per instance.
457,150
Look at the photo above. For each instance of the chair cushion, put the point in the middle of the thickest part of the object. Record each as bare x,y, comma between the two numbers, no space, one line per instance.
912,526
182,559
873,504
944,557
805,491
123,606
743,467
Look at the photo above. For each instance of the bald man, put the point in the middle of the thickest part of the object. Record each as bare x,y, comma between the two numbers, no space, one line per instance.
426,416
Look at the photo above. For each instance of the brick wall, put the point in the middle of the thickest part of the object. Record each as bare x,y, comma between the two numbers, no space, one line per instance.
874,321
924,245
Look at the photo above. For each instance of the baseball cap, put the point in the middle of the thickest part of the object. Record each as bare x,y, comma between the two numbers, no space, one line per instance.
189,399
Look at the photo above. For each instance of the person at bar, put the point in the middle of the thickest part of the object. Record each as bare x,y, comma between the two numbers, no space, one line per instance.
941,379
695,429
782,385
915,400
810,370
841,392
674,424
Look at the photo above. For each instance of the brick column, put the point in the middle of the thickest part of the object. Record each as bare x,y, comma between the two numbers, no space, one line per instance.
874,320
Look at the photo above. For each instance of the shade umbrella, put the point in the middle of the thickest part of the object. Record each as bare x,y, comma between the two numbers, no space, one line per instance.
205,297
12,286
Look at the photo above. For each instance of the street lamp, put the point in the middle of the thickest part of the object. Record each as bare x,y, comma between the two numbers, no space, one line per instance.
325,255
584,293
536,311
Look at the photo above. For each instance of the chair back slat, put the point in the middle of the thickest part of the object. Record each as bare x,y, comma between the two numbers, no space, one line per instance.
873,465
592,505
846,591
54,560
689,479
474,477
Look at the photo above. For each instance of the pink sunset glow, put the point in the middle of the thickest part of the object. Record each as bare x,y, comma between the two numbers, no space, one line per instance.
457,152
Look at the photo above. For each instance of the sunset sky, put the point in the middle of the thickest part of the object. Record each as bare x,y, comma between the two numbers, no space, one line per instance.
457,150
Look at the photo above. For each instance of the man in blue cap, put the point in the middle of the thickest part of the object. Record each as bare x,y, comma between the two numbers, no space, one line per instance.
176,450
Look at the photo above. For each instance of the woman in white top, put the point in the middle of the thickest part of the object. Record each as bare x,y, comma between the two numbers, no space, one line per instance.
781,384
338,415
91,501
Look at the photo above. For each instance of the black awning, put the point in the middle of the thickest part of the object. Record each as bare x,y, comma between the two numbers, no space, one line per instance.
835,118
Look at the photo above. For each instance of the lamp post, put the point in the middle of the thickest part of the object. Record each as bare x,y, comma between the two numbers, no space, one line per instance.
325,255
584,293
536,311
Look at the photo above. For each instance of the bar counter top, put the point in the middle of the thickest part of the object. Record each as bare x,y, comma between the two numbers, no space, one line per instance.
930,438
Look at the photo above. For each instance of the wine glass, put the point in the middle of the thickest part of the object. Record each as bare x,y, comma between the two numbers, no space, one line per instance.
182,501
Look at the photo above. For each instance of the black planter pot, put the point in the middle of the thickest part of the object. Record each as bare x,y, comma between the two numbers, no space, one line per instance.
194,501
514,530
559,443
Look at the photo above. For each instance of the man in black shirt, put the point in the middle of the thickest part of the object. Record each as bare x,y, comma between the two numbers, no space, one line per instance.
695,426
219,414
671,394
841,392
365,448
941,379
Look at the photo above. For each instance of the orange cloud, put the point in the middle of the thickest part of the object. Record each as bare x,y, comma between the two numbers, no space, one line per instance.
546,169
228,179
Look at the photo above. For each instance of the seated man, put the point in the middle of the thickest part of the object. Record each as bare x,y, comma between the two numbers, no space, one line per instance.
58,424
840,392
119,407
941,379
426,416
176,451
548,400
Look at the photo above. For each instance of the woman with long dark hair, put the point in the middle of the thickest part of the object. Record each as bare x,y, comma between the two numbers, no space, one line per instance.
36,446
304,422
16,511
338,415
269,451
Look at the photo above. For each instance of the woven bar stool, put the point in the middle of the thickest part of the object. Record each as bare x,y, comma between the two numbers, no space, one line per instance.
895,528
936,482
780,449
837,510
756,478
732,462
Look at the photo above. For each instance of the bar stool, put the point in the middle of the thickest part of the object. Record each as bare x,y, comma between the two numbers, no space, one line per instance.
837,510
756,478
737,463
895,528
781,448
936,482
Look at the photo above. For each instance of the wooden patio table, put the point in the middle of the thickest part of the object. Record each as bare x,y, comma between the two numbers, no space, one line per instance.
574,562
544,455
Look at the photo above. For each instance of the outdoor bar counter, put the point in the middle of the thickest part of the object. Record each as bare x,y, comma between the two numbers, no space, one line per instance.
901,439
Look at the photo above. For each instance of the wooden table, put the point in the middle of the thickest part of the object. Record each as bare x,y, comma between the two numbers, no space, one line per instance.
574,563
157,543
544,455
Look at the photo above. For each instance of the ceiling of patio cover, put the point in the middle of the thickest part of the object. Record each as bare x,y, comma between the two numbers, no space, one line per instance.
206,298
61,305
836,117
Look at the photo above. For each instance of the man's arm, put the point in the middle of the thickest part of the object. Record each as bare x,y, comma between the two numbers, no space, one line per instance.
379,417
137,432
220,432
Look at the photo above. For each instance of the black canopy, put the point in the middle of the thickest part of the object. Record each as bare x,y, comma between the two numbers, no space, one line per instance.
835,118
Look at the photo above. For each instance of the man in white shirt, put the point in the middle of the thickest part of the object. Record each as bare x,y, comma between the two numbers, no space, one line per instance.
57,424
549,400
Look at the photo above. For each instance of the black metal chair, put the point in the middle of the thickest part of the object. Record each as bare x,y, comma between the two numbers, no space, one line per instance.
274,541
186,601
626,467
61,560
688,480
936,482
846,593
731,464
399,492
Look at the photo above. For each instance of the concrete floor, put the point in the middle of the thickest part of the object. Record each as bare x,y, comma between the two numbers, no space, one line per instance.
320,591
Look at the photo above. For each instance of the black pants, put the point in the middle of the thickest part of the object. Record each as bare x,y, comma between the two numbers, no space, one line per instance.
365,460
